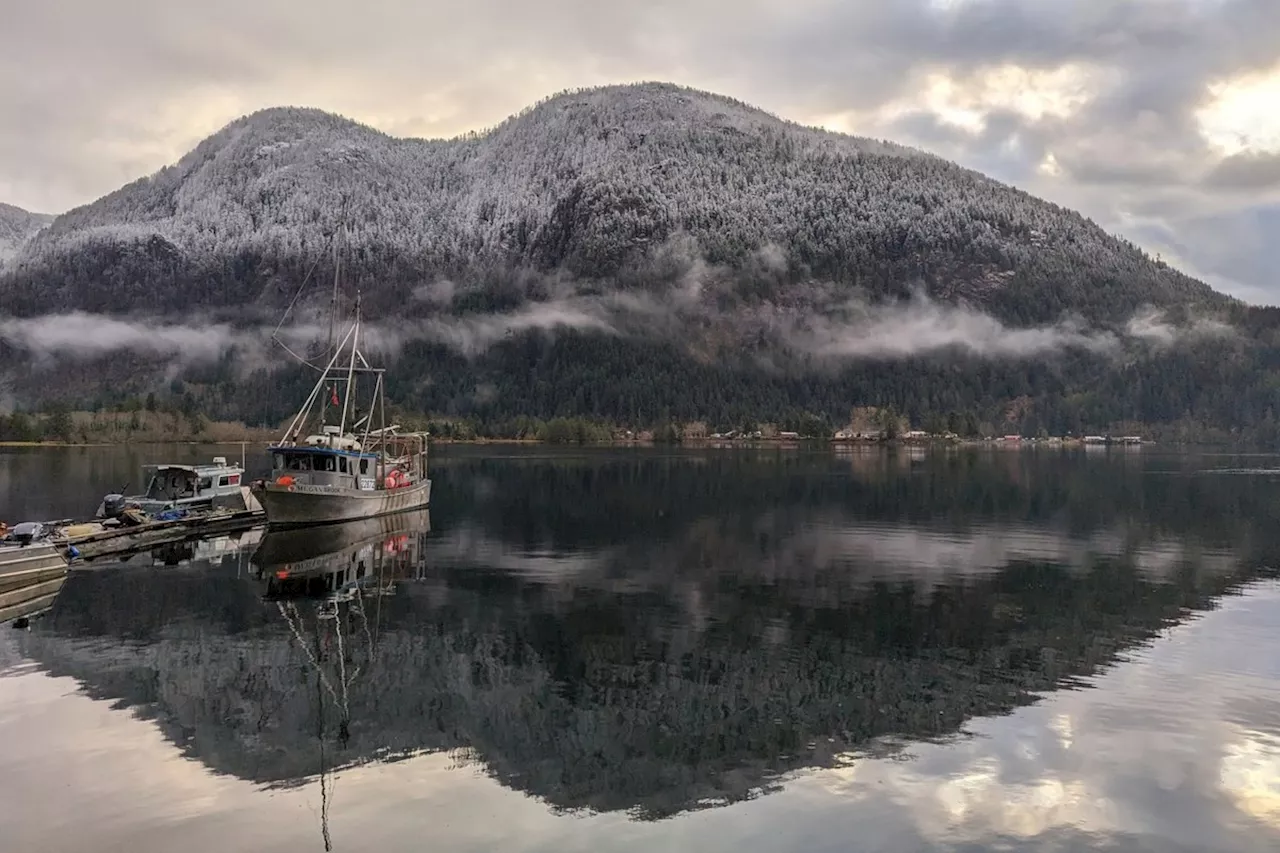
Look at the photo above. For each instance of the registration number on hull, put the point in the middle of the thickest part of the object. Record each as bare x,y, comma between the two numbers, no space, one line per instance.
319,490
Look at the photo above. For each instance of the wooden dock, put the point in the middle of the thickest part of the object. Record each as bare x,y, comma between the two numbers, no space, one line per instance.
93,541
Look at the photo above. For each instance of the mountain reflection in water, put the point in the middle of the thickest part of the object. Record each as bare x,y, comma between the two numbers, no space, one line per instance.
653,634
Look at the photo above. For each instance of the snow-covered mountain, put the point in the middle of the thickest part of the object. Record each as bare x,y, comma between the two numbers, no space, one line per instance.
17,227
695,258
620,186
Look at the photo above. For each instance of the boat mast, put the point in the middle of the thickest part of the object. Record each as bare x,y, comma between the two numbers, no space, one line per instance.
333,299
329,378
351,369
299,420
333,314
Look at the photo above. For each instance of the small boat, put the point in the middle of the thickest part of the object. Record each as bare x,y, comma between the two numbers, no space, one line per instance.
22,604
181,502
324,472
174,491
32,568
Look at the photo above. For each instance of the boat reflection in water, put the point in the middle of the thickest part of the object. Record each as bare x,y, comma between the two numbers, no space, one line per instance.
337,561
210,550
328,584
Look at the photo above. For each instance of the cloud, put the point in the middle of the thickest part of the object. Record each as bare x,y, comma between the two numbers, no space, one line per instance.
1247,170
828,331
922,326
437,293
81,335
1151,325
832,330
472,335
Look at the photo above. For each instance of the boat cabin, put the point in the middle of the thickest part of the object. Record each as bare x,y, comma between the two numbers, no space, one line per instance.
323,467
329,459
175,486
179,484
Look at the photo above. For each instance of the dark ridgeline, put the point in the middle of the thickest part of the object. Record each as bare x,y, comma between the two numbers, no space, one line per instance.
620,196
659,634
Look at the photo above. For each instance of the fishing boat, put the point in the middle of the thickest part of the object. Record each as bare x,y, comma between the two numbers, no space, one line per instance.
324,472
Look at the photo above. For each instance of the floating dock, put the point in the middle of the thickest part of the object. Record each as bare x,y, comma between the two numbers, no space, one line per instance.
94,539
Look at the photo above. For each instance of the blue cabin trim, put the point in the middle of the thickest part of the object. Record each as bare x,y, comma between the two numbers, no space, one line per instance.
321,451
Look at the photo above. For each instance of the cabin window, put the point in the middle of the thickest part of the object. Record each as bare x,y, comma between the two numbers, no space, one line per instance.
342,464
229,480
326,463
300,463
206,483
278,461
364,466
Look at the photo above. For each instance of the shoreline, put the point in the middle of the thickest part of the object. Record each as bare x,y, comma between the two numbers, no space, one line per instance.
167,441
719,444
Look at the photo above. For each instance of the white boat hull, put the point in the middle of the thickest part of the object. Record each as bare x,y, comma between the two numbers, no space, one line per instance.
298,505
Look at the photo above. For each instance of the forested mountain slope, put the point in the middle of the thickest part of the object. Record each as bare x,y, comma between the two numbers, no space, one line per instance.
640,254
16,228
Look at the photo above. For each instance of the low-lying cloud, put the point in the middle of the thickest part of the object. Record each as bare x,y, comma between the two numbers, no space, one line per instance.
833,333
848,331
1150,325
471,335
82,335
922,327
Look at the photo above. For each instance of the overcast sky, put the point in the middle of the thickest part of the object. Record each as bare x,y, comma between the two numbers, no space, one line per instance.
1158,118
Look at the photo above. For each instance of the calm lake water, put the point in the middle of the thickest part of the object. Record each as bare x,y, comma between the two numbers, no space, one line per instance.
651,650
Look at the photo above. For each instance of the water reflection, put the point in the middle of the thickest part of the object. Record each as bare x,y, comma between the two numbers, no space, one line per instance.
339,561
655,636
328,585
